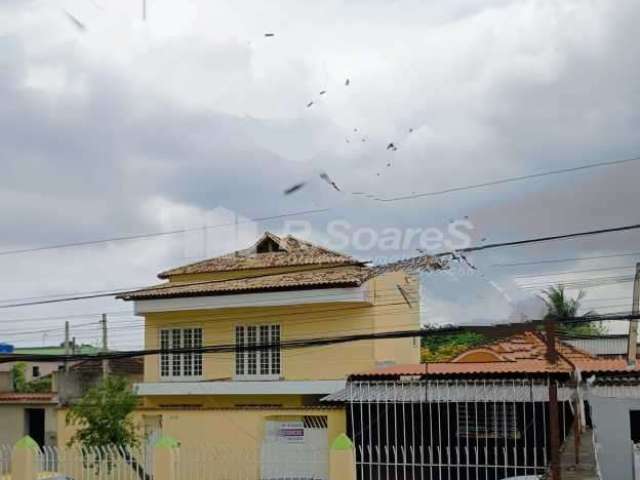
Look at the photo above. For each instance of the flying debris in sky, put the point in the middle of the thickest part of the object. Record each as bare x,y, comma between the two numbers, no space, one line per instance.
411,130
388,164
347,140
355,129
326,178
364,139
347,82
269,34
309,104
392,147
76,23
469,264
322,92
294,188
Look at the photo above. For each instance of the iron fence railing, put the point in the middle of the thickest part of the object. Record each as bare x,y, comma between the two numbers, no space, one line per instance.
417,429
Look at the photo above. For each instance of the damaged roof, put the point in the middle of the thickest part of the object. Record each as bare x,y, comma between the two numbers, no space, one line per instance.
269,251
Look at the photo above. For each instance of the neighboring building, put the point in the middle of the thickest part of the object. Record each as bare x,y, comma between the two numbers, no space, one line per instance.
31,414
278,290
84,375
600,345
483,415
35,370
38,414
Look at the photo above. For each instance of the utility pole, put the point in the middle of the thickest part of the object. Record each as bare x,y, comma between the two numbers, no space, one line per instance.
66,344
632,346
554,418
105,346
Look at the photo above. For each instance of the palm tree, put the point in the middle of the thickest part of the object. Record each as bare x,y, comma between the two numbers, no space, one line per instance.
561,307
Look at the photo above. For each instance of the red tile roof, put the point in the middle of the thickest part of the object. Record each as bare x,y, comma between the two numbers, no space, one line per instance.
603,365
12,397
521,353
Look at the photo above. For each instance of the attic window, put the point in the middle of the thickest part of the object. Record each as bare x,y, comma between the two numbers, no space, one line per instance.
268,245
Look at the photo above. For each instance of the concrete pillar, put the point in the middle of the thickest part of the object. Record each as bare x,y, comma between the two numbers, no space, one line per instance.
164,459
342,459
24,458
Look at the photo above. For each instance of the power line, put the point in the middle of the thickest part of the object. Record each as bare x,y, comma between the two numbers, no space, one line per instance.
584,283
400,265
143,236
64,317
571,272
560,260
509,180
566,236
297,344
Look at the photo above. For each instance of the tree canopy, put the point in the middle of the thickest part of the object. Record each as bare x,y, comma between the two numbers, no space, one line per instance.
21,385
561,307
439,348
103,415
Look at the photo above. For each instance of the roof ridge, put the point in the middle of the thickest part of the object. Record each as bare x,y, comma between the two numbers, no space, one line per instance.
296,252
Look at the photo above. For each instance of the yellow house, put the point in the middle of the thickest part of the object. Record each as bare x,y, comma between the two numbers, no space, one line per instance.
279,289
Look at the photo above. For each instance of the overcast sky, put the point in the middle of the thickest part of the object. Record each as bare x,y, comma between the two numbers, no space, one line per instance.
194,118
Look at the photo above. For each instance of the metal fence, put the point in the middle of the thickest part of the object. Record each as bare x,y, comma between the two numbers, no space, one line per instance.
446,430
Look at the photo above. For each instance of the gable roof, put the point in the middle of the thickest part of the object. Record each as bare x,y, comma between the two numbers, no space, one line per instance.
290,251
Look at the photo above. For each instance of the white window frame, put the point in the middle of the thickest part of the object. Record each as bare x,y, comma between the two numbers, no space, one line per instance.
171,366
267,364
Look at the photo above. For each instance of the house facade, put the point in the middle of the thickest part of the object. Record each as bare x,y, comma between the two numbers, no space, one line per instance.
487,414
279,290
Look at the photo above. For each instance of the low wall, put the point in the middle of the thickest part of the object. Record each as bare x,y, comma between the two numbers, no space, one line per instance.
243,428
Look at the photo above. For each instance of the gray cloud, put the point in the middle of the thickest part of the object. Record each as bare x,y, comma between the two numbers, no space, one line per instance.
97,130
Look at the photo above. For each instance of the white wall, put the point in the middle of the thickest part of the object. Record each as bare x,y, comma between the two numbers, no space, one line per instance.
613,435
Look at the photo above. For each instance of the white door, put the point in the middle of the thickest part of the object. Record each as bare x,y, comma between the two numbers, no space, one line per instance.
295,449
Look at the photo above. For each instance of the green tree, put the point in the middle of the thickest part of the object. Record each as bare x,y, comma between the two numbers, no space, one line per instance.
20,384
561,307
439,348
103,416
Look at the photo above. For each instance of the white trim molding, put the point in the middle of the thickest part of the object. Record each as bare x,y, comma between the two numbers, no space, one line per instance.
262,299
285,387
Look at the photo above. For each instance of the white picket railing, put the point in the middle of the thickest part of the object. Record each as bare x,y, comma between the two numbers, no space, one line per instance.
5,460
208,463
111,463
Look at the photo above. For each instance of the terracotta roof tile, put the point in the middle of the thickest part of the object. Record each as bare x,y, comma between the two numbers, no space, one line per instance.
597,365
292,252
347,276
521,353
27,397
